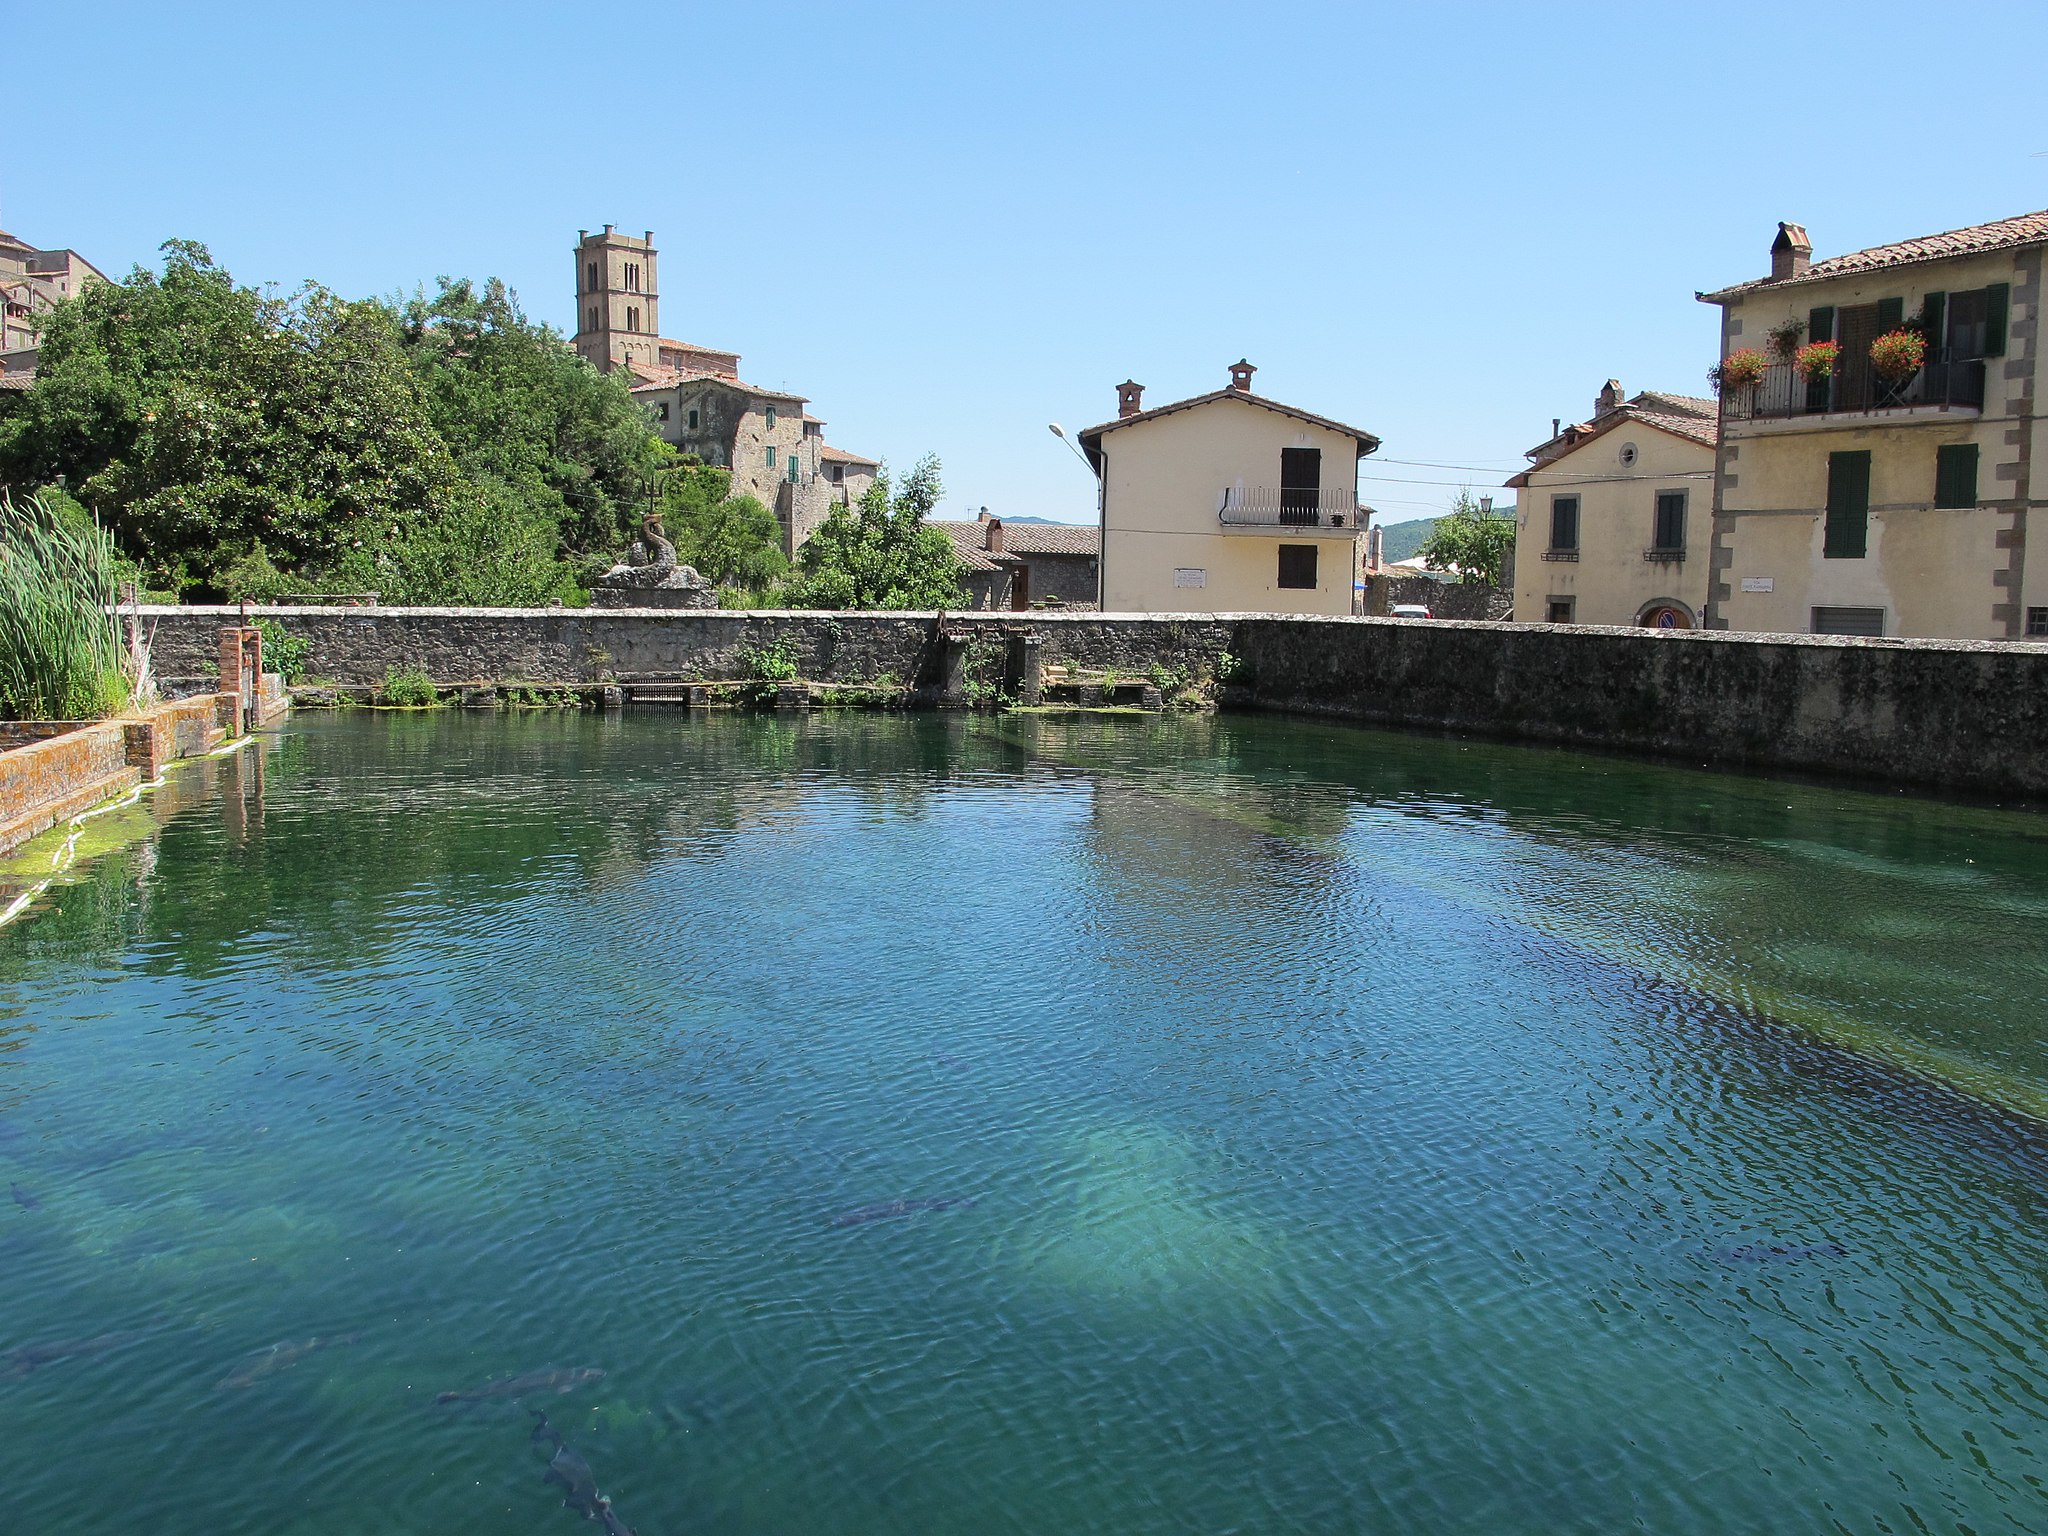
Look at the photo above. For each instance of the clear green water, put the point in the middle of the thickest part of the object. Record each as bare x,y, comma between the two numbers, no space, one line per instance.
1365,1133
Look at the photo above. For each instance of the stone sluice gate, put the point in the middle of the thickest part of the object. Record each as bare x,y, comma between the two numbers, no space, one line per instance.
1963,716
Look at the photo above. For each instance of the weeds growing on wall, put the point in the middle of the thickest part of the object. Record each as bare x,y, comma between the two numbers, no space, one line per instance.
60,657
407,688
284,652
774,663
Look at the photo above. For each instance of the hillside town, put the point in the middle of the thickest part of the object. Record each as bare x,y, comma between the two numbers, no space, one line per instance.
1863,468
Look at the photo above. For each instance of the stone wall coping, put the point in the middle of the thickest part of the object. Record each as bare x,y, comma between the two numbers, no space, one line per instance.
1035,618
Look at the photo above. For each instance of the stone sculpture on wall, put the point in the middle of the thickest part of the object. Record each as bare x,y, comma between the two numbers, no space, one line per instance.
650,576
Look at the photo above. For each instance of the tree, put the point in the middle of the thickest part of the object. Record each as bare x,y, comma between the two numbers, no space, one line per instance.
1473,541
882,554
733,540
200,419
514,402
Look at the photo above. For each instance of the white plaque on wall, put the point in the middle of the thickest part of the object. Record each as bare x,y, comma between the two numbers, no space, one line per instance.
1190,576
1756,583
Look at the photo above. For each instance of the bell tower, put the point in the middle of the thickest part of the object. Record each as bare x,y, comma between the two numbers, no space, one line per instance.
618,313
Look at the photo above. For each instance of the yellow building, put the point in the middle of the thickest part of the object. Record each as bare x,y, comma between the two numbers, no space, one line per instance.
1859,498
1228,502
1613,516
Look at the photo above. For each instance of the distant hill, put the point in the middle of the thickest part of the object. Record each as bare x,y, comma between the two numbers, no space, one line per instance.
1400,541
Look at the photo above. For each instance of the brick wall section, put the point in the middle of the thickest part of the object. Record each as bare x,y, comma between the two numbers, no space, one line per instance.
55,778
1961,715
43,784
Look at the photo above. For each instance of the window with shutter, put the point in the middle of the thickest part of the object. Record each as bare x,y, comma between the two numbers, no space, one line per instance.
771,418
1847,533
771,455
1298,565
1564,523
693,421
1820,323
1997,300
1891,314
1955,475
1670,529
1848,621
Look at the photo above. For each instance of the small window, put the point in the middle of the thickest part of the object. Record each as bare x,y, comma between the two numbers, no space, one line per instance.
2037,623
1847,533
1559,610
632,277
838,473
693,421
1848,621
1298,566
1955,475
771,455
593,319
1564,522
771,421
795,469
590,282
661,411
632,317
1628,455
1670,530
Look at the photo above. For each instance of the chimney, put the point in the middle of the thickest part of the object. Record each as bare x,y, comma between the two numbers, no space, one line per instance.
1241,376
983,517
1791,252
1556,424
1128,394
992,536
1610,399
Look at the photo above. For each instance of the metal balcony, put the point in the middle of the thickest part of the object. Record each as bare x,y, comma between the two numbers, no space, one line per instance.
1261,506
1855,387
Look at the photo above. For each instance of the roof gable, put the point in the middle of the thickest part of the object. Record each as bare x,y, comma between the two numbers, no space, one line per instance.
1091,437
1692,429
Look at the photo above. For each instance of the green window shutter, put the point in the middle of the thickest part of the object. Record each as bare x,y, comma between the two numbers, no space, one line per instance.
1847,535
1955,475
771,455
1820,324
1997,300
1891,314
1934,323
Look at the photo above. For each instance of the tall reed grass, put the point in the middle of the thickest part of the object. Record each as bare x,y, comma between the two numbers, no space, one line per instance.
60,657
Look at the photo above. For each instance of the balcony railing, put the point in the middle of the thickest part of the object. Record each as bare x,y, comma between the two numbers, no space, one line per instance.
1261,506
1855,386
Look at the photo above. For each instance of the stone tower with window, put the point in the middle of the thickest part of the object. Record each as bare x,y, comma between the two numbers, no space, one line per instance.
618,316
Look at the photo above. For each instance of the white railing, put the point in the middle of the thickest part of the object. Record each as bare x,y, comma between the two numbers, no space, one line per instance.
1264,506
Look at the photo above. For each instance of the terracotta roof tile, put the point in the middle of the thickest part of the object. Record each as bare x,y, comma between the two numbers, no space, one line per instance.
1705,431
669,378
1019,539
831,455
1978,239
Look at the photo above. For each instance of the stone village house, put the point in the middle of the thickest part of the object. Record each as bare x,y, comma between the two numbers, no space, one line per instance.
32,283
1613,515
776,451
1024,565
1227,502
1859,504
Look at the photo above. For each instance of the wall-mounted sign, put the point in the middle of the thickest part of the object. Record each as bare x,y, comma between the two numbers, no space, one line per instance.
1756,583
1190,576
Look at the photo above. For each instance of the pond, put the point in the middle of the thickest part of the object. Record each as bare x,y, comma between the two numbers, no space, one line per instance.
859,1124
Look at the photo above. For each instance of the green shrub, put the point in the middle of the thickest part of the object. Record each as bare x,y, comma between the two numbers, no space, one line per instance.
59,656
284,652
408,687
769,663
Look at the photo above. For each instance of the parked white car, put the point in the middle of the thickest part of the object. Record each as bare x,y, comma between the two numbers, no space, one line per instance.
1409,611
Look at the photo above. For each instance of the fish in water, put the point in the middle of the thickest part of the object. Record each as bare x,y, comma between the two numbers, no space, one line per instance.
1777,1253
566,1380
578,1483
898,1208
16,1363
546,1438
279,1357
23,1198
613,1525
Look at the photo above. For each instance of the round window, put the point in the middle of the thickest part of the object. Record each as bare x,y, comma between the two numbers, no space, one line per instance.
1628,455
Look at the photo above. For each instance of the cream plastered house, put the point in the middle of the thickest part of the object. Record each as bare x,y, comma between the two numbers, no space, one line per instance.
1613,517
1861,504
1228,502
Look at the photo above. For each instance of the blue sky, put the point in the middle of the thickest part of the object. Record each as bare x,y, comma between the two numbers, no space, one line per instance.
949,225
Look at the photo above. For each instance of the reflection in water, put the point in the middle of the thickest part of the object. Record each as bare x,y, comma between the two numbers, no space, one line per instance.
875,1124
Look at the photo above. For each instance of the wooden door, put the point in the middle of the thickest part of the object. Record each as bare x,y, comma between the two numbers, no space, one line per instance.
1301,484
1020,587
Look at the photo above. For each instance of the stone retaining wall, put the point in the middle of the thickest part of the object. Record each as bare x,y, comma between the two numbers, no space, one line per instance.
1961,715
